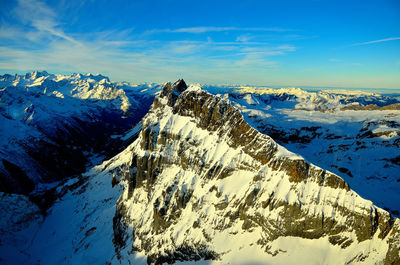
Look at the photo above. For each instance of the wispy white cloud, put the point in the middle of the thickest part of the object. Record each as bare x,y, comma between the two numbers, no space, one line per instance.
42,44
199,30
144,60
38,15
244,38
376,41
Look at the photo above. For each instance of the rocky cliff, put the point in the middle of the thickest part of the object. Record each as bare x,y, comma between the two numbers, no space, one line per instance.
336,131
201,183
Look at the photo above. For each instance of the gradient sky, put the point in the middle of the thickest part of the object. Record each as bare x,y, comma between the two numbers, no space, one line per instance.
354,44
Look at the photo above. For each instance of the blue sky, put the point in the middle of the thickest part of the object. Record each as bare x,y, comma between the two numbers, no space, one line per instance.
353,44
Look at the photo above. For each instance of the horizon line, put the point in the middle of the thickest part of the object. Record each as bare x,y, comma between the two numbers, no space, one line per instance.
274,86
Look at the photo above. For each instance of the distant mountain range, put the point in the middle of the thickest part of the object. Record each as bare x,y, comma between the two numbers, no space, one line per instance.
209,175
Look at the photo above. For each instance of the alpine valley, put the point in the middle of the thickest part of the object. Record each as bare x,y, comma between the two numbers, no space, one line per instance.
100,172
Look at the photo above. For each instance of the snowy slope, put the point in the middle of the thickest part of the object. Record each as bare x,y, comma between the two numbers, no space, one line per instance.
77,229
328,129
51,124
202,184
198,184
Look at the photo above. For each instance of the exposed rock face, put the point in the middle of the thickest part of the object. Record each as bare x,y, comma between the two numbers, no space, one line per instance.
359,145
200,172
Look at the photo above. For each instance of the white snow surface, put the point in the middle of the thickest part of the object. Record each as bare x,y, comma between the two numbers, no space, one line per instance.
211,200
361,146
78,227
38,105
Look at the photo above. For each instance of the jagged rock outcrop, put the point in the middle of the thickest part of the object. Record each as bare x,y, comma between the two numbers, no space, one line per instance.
359,145
199,172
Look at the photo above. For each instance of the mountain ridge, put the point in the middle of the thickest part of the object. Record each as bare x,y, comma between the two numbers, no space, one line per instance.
201,178
165,146
53,125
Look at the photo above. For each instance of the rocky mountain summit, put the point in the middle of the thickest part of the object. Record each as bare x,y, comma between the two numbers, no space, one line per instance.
201,183
336,130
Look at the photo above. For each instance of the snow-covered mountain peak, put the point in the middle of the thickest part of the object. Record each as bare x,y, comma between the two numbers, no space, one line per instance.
194,87
38,109
350,92
323,100
36,74
266,90
199,176
88,86
197,180
97,77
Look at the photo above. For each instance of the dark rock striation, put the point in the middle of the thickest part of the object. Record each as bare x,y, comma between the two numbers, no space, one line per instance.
193,145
